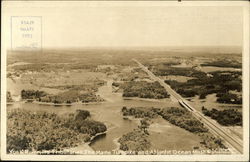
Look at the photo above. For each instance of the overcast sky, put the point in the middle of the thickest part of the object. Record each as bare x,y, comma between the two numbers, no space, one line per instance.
79,25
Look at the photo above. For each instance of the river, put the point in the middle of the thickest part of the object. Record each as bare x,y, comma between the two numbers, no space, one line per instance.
108,112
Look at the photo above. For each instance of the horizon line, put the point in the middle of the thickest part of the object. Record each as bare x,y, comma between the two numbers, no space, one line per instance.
126,47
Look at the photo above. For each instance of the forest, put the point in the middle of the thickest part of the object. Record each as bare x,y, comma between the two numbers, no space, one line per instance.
67,97
143,89
46,67
85,87
229,117
184,119
136,140
223,63
177,116
38,131
164,70
228,98
220,83
140,112
32,94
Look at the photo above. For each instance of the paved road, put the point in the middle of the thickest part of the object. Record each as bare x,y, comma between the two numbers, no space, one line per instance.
214,127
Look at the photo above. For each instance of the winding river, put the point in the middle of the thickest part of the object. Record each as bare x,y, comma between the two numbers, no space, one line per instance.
108,112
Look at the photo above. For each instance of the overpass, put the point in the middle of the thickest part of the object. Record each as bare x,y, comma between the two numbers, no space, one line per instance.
214,127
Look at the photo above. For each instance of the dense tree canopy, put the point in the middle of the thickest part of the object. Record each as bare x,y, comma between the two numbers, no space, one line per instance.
46,131
225,117
220,83
143,89
136,140
32,94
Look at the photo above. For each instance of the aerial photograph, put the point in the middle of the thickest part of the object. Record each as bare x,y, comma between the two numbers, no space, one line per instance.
111,80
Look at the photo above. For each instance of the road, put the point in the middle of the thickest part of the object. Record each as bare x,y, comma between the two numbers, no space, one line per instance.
214,127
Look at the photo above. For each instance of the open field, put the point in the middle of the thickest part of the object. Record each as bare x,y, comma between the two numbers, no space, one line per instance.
110,80
163,130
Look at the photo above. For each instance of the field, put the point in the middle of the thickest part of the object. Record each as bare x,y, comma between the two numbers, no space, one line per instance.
162,130
179,117
102,81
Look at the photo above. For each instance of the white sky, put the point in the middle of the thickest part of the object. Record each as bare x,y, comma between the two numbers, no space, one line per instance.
80,25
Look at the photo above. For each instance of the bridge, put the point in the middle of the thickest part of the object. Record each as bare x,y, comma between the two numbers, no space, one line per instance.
232,141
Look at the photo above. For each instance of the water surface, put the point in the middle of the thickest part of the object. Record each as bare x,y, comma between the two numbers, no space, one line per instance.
108,112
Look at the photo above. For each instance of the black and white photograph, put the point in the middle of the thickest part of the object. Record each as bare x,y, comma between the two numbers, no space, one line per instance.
125,80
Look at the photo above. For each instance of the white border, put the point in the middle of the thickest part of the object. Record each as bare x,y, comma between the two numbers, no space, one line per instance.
5,45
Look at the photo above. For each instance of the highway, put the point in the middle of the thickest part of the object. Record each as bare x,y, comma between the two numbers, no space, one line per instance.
214,127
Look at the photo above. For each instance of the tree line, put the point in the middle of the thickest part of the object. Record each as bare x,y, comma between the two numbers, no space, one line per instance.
227,117
220,83
143,89
177,116
67,97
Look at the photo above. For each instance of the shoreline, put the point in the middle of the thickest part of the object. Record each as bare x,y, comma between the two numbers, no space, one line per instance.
117,149
99,134
146,99
93,137
53,104
84,147
65,104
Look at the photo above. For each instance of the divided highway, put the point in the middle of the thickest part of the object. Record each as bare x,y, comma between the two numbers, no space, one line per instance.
215,128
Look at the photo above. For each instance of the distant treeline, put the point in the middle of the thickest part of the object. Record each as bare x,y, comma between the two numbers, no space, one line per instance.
228,98
225,117
40,131
141,112
223,63
32,94
68,97
219,82
143,89
44,67
86,87
161,70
